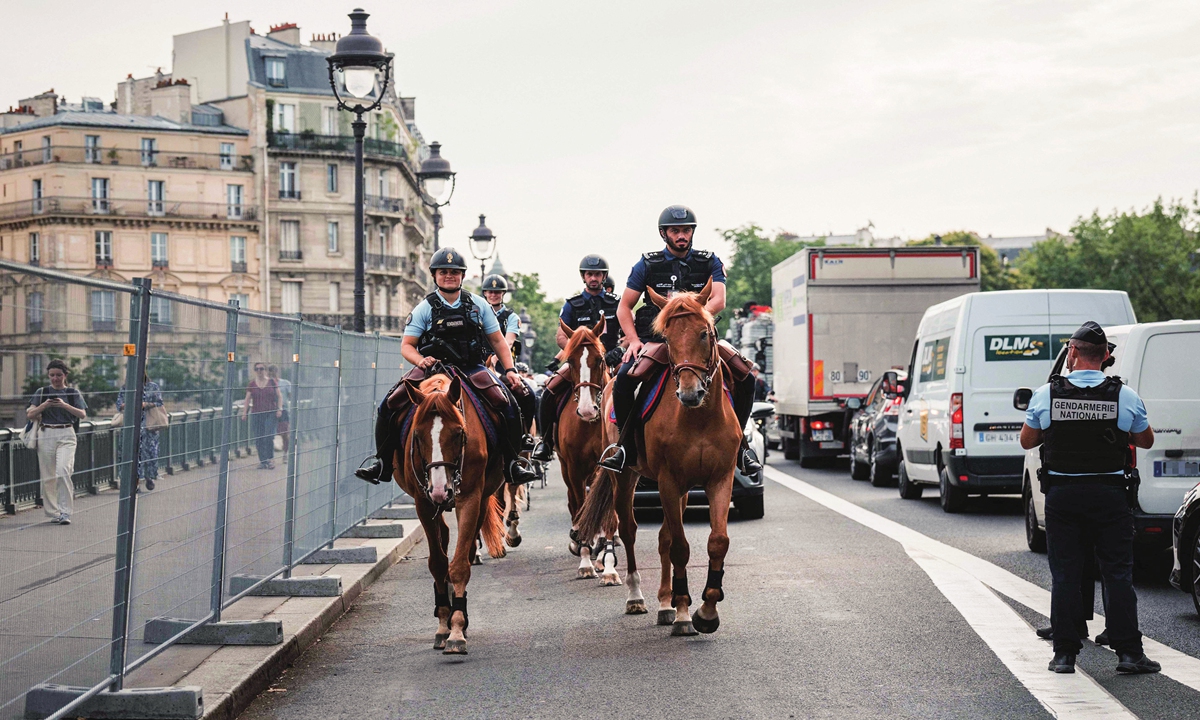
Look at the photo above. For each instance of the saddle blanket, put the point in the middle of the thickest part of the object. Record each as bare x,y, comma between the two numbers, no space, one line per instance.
489,423
650,394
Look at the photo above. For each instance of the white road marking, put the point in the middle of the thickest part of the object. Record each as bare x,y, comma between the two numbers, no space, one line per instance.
1176,665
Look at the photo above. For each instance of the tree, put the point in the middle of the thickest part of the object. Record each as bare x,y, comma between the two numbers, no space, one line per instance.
748,271
527,294
992,273
1153,256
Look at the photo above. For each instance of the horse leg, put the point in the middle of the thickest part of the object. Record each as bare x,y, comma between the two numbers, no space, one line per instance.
706,619
468,515
674,502
608,557
666,611
439,534
635,602
574,502
586,568
512,514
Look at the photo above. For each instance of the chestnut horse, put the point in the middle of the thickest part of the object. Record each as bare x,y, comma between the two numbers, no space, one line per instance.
691,440
581,440
446,464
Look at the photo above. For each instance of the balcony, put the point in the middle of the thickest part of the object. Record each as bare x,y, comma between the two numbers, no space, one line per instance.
336,144
291,254
237,266
159,263
141,208
383,262
380,204
126,157
104,262
289,194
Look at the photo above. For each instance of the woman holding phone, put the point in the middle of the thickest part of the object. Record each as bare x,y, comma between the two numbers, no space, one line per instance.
59,409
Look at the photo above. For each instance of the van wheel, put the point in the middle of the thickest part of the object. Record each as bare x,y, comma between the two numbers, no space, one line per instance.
1035,537
858,471
954,499
908,489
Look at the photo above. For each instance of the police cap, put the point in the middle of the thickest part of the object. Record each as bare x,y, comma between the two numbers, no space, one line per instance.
495,282
1090,332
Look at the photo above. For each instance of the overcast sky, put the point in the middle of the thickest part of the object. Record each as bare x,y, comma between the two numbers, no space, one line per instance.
572,124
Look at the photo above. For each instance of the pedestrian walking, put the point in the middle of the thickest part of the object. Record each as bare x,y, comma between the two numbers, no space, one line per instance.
264,406
1085,423
147,467
285,395
59,409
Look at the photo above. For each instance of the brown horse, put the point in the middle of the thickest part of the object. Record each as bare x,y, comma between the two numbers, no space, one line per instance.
581,439
690,440
446,464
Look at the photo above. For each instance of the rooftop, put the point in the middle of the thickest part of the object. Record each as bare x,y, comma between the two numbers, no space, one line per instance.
118,121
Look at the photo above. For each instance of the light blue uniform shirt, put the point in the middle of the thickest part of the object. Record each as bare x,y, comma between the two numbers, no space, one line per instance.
513,325
422,315
1131,411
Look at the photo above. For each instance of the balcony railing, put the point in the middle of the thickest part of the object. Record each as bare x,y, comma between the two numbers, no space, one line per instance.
291,254
237,266
383,262
383,204
289,194
128,157
103,262
125,208
340,144
158,263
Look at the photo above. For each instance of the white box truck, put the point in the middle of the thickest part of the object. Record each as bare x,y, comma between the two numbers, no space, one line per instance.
842,317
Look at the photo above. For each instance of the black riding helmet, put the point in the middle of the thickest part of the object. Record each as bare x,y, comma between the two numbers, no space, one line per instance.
495,282
593,263
609,285
676,215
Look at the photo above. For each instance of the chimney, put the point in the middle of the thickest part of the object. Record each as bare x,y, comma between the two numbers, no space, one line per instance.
172,101
43,105
325,42
408,106
286,33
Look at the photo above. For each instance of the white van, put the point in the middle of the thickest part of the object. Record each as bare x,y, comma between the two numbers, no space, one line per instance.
1156,360
958,427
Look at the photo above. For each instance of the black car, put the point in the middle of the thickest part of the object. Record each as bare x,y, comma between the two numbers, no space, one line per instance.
873,431
1185,531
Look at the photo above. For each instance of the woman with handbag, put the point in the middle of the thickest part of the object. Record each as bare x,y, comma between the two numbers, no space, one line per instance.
58,409
154,419
264,406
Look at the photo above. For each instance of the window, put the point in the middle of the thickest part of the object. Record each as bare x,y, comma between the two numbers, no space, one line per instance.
276,72
158,249
335,298
34,305
35,249
331,172
237,253
383,239
104,248
285,118
104,310
46,148
383,188
226,156
149,151
329,121
289,301
100,202
933,360
242,300
289,240
331,233
91,148
233,197
34,365
155,191
18,145
38,205
287,180
160,310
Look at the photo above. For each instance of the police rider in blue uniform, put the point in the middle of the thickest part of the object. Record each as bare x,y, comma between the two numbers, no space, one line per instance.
678,267
494,288
1085,423
582,310
454,328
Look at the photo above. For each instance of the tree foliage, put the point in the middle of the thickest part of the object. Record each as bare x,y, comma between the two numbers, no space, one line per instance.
748,270
528,295
992,273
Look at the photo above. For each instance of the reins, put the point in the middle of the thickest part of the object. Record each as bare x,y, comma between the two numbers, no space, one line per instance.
704,373
454,469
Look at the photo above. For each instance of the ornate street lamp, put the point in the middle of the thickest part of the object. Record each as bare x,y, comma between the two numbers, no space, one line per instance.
529,337
353,70
433,176
483,245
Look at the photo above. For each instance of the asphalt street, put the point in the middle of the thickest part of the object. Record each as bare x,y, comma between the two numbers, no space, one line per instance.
824,616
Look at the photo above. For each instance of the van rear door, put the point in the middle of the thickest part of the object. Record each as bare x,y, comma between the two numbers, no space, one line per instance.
1170,387
1003,358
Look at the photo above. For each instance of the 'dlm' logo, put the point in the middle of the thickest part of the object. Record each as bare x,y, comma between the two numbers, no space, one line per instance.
1011,343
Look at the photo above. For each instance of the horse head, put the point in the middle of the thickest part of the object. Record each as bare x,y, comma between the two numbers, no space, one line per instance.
438,438
691,338
584,354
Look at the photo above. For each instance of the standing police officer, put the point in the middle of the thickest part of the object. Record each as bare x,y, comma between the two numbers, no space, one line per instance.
584,309
678,267
456,330
1085,423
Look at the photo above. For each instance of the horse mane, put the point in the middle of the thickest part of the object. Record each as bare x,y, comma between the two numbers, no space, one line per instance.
581,336
679,305
435,389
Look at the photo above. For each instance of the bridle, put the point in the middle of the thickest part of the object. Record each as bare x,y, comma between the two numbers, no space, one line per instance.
704,373
598,388
453,469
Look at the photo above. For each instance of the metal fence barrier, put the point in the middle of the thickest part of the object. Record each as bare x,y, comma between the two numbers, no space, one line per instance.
253,472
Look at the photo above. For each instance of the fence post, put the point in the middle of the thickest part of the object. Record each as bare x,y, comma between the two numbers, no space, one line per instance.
374,406
218,576
289,512
135,369
337,444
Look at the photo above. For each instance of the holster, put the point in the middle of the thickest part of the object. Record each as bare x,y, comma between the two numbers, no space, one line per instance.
559,382
1043,483
489,389
398,399
738,364
654,355
1133,480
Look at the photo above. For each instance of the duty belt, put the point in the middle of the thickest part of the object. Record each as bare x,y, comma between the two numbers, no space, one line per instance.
1110,480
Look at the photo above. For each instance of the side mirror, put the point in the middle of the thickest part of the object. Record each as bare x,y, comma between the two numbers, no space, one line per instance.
764,411
890,382
1021,398
853,403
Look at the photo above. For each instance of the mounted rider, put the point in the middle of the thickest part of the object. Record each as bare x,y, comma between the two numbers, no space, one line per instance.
678,267
582,310
494,288
459,331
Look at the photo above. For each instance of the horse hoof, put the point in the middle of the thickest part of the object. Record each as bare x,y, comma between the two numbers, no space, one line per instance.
513,541
610,580
477,560
573,548
683,628
439,640
636,607
587,572
455,647
705,626
666,617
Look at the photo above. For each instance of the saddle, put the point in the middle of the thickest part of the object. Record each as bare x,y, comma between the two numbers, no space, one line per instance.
481,383
650,370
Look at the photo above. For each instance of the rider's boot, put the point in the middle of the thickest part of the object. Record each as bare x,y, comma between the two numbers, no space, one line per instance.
380,466
743,404
547,410
615,456
515,439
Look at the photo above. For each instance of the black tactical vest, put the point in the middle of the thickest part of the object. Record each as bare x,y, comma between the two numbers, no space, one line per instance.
455,335
502,317
668,274
587,310
1083,436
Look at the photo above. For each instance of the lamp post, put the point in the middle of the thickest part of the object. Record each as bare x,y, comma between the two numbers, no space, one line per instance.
483,246
529,337
354,65
434,173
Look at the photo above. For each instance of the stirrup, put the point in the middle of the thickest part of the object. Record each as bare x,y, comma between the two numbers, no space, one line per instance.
519,472
543,453
526,442
370,472
748,462
614,461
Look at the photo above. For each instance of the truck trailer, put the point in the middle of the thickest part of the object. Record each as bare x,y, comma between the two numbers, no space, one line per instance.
843,316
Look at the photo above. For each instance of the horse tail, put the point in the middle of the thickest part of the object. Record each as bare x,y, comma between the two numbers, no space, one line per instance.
599,505
491,526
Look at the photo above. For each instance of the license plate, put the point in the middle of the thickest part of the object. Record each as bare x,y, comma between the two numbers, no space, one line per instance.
1188,467
997,437
819,435
831,446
